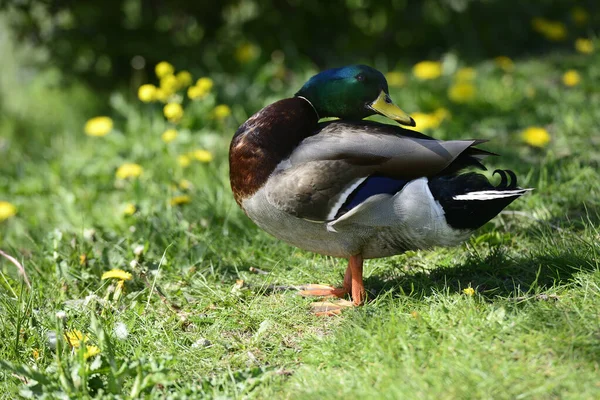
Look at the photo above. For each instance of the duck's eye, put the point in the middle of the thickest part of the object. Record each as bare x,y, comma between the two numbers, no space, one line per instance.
360,77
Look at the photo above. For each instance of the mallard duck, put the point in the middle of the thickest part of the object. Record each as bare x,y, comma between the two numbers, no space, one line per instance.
358,189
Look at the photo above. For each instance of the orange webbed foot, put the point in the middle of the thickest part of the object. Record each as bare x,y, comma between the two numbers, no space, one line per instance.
322,291
330,308
353,285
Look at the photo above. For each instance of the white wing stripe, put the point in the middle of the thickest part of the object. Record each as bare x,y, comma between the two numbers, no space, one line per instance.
490,194
343,196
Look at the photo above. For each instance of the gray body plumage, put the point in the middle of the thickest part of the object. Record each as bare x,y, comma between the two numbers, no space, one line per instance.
300,201
382,226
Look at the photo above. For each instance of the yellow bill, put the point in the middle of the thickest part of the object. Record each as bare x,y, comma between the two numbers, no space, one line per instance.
383,105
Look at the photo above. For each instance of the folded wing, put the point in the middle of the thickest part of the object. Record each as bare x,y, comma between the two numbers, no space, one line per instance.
337,166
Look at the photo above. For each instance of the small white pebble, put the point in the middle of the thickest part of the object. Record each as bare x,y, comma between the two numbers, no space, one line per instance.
190,327
202,342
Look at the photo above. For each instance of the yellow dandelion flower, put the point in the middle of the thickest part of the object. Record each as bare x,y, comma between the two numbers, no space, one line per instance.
98,126
469,291
163,68
205,83
184,161
580,16
129,170
221,111
91,351
184,78
246,53
556,31
433,120
169,84
82,259
169,135
36,354
201,89
129,209
571,78
465,74
184,184
585,46
551,30
535,136
395,79
504,63
425,121
117,274
7,210
539,24
204,156
426,70
441,114
162,95
462,92
147,93
173,112
196,92
75,338
180,200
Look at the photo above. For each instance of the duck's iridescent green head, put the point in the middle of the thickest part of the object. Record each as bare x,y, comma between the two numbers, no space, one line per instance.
352,92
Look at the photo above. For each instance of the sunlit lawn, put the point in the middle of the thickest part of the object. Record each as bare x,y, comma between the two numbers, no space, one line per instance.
511,314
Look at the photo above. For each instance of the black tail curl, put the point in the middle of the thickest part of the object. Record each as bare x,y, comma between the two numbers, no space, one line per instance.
504,180
471,214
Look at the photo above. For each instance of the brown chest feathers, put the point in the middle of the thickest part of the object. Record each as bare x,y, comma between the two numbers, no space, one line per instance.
266,139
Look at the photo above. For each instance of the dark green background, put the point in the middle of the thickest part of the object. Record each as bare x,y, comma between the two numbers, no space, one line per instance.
96,40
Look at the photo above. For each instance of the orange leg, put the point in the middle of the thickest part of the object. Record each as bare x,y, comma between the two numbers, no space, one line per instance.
348,280
353,284
358,288
328,291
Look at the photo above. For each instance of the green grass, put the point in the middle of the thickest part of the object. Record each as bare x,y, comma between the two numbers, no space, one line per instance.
531,330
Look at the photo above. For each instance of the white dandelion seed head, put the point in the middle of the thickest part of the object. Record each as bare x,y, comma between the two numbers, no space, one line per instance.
58,234
51,339
121,331
88,234
138,250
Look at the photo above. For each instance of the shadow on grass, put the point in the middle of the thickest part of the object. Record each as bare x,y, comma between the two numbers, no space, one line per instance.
495,275
576,218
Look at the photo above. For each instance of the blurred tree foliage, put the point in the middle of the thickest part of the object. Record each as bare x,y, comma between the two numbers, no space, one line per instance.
107,41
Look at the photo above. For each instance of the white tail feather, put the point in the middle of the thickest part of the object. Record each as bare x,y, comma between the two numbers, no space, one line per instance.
491,194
